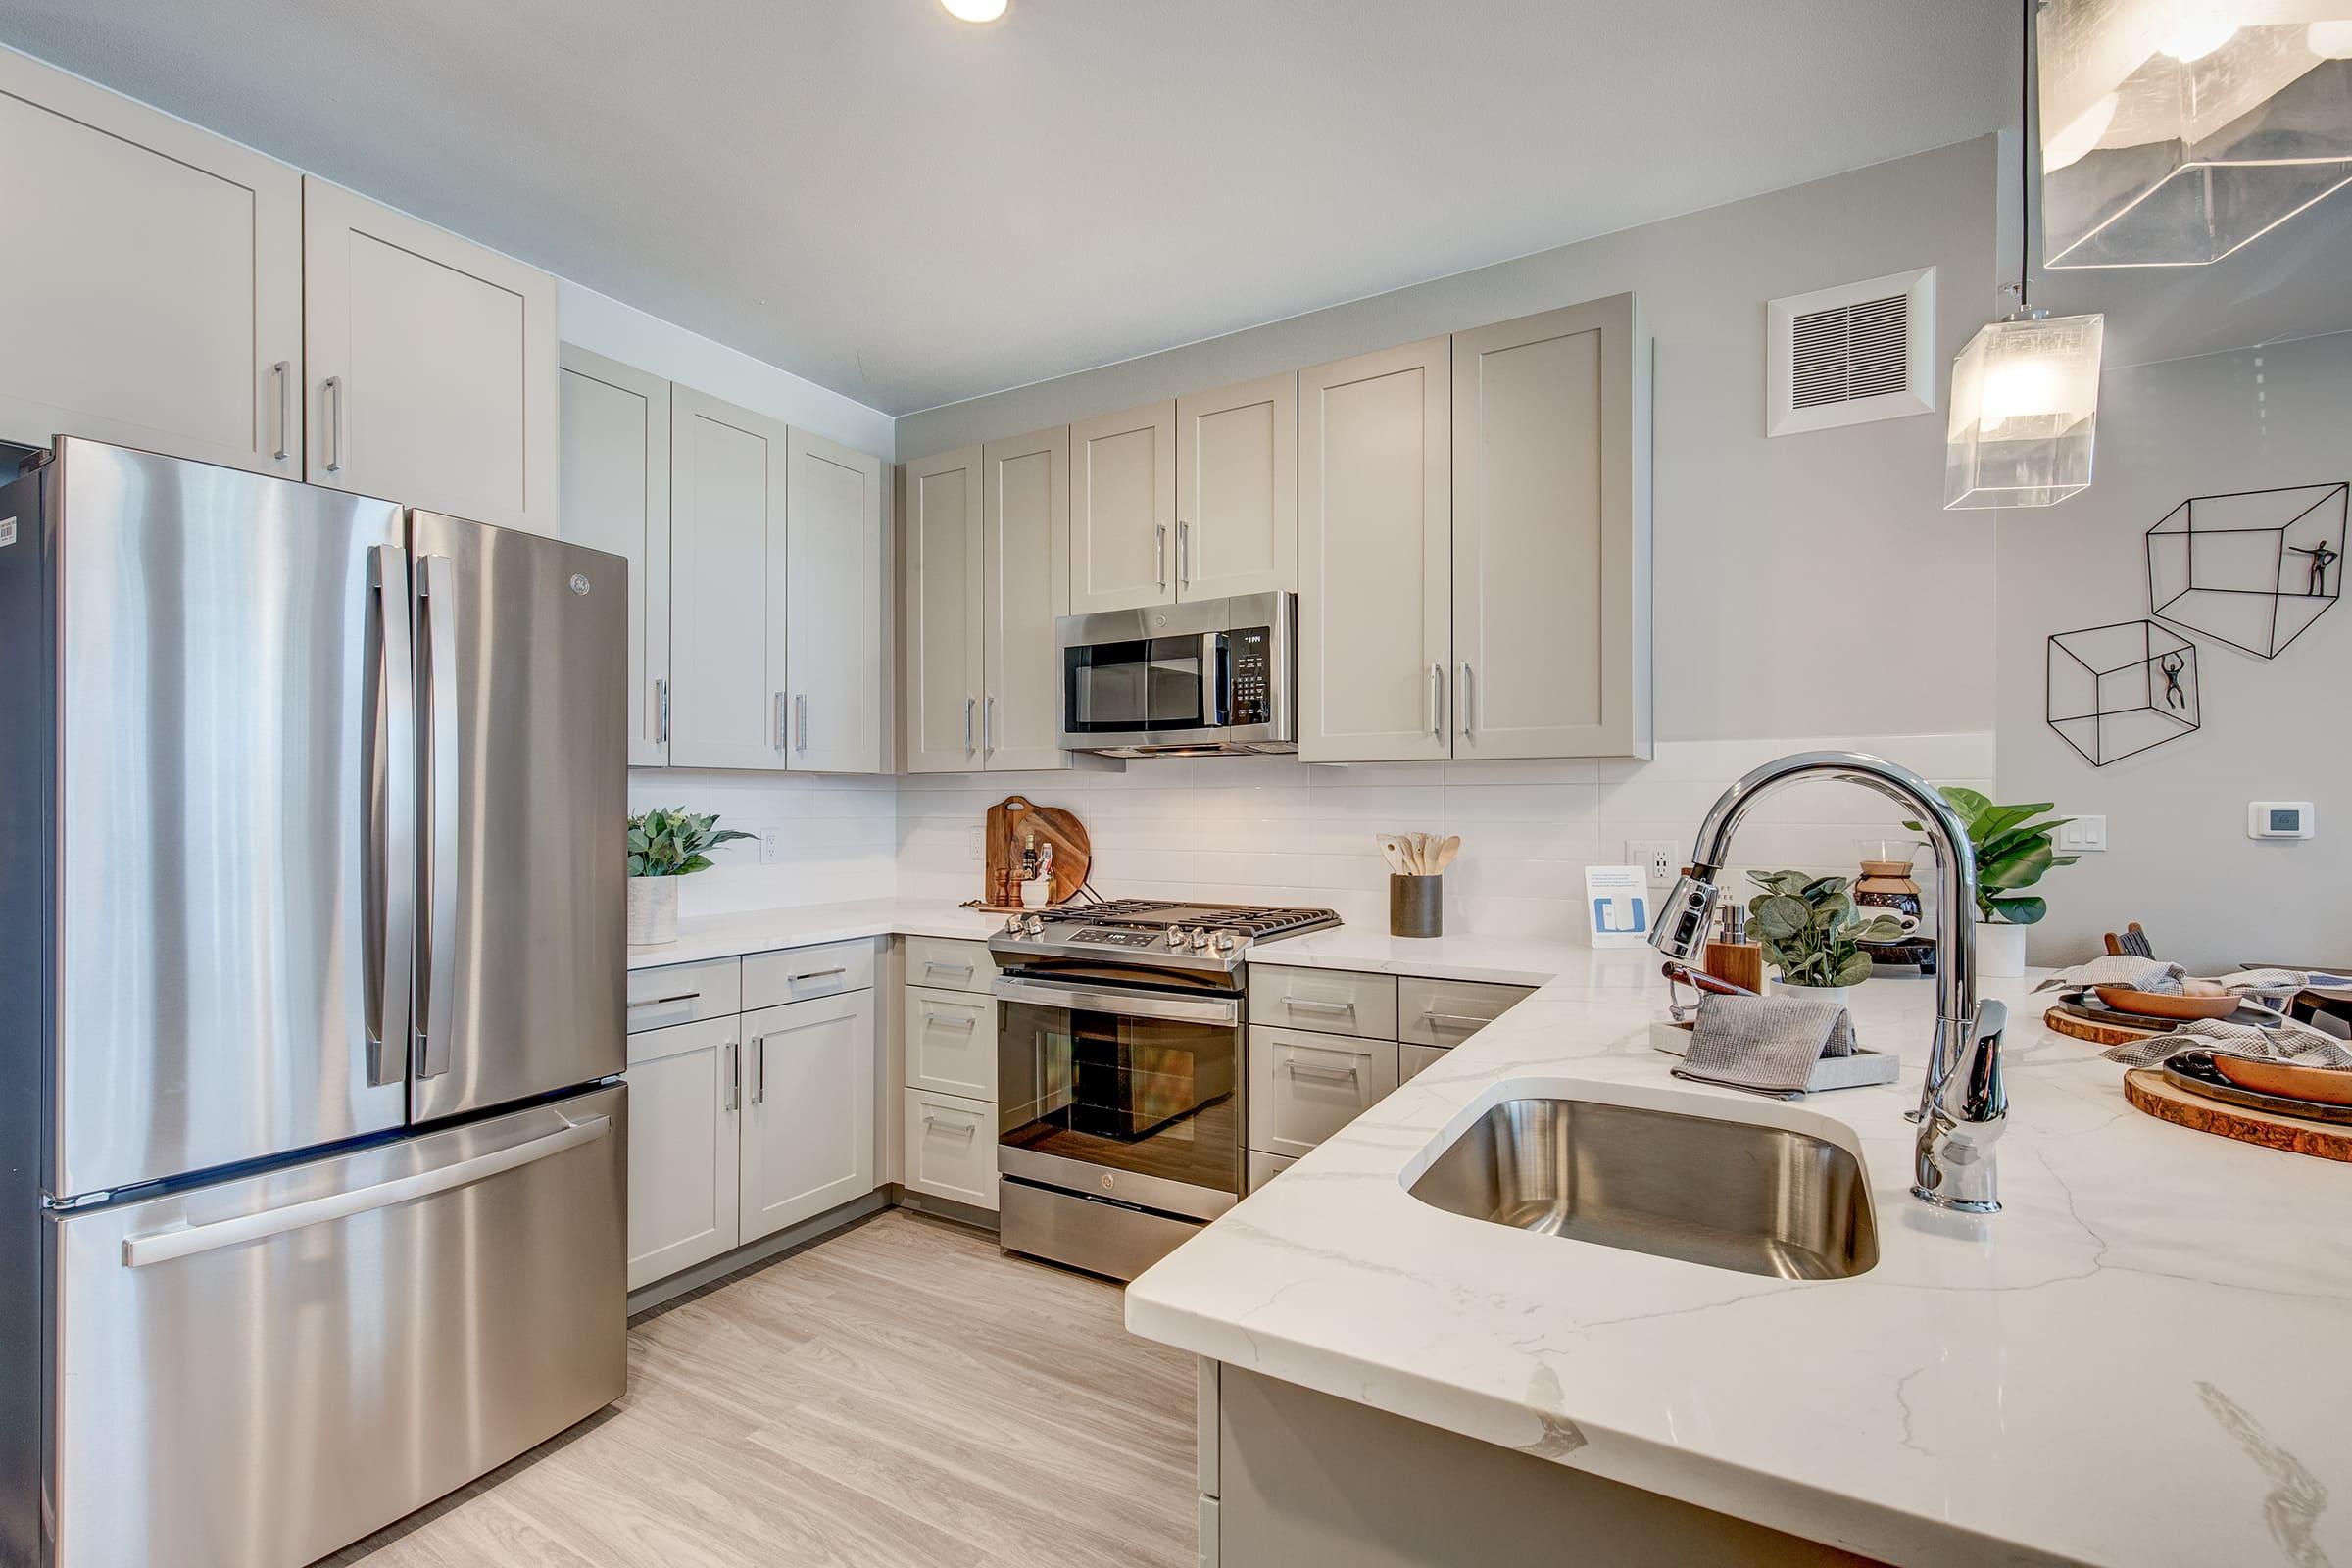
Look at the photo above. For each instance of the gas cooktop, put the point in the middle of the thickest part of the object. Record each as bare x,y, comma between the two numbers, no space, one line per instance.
1155,933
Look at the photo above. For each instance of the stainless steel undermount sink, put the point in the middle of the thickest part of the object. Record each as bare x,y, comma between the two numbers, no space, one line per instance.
1726,1193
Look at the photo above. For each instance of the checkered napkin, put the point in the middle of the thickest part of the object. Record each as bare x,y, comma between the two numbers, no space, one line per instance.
2118,970
1767,1045
2284,1041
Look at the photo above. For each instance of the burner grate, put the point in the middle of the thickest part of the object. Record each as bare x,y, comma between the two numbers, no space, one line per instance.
1256,922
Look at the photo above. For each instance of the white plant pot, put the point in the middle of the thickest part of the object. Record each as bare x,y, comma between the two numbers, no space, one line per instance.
1843,995
653,910
2000,950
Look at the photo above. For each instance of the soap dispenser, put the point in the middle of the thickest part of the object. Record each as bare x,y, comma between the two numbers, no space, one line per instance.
1731,957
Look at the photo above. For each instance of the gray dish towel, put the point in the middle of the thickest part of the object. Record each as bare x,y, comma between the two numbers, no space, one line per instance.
1765,1044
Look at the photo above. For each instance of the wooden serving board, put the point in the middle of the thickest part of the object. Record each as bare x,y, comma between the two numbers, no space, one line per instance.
2071,1023
1010,822
2150,1091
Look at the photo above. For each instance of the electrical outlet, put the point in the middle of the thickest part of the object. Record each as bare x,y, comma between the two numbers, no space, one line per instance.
1659,860
771,845
975,845
2084,835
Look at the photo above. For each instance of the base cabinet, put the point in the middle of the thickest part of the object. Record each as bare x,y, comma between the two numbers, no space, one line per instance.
682,1146
951,1148
949,1142
807,1110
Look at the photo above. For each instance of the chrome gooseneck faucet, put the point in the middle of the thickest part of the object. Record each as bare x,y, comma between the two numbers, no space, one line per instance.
1962,1105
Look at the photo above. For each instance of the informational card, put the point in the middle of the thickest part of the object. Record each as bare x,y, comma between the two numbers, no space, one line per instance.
1619,897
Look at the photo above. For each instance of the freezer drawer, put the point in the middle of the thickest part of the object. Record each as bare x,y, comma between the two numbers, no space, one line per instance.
253,1374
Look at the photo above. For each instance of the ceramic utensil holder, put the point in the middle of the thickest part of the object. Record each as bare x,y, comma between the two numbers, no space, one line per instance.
1416,905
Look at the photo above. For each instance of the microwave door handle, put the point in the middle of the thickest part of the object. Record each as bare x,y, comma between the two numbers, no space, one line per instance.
438,600
392,803
1215,709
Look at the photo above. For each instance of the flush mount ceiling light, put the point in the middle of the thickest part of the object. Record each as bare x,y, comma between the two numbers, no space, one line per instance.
974,9
2026,389
2175,131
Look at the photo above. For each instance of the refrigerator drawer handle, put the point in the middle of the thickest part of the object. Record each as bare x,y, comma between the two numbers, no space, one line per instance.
187,1240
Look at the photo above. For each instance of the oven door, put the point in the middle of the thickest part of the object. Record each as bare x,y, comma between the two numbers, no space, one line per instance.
1130,1095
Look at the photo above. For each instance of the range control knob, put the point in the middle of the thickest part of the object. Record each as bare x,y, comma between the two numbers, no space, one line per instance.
1175,936
1037,925
1200,938
1012,925
1226,942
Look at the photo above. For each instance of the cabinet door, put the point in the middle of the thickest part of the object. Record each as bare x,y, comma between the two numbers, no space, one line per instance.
1024,585
1123,510
807,1110
834,509
431,365
682,1146
952,1043
728,555
154,277
616,493
944,658
1375,555
1550,536
1237,489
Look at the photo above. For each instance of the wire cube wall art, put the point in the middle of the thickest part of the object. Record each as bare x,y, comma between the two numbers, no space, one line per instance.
2116,690
2253,569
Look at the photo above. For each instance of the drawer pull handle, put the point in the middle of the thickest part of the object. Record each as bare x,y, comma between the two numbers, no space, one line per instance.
664,1002
946,968
1466,1020
973,1022
814,974
1319,1006
1316,1070
966,1128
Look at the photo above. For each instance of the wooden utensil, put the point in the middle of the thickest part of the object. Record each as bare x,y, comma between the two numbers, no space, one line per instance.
2327,1086
1391,849
1447,851
2166,1004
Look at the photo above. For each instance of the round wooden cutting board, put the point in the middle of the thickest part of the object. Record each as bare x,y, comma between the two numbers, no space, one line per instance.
2149,1090
1011,821
2073,1023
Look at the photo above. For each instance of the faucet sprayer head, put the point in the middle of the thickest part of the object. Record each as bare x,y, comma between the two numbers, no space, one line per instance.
1686,916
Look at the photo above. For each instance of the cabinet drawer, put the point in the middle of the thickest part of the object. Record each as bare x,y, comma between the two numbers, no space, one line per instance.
946,965
1413,1060
1326,1000
796,975
1264,1167
952,1043
1304,1087
681,992
951,1148
1447,1012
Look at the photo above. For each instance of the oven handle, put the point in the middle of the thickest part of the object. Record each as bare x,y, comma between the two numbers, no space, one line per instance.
1121,1003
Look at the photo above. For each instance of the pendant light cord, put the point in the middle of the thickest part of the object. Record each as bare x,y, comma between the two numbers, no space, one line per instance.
2025,151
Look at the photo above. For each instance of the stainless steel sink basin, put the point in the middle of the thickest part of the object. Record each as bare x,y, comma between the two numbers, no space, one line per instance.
1725,1193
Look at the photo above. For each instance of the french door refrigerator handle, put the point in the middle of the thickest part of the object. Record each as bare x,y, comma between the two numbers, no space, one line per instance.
437,596
187,1240
392,789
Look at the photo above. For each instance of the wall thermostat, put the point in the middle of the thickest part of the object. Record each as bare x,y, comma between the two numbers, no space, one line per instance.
2278,819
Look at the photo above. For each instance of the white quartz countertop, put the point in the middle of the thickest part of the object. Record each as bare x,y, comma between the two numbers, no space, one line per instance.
726,936
2143,1360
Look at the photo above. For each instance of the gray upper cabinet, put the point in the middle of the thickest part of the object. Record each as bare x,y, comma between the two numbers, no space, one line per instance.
1123,510
1375,555
728,561
834,576
943,613
1551,535
1237,489
154,276
616,488
1025,533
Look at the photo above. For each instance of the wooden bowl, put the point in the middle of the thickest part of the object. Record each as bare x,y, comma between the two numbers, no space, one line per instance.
2324,1086
2166,1004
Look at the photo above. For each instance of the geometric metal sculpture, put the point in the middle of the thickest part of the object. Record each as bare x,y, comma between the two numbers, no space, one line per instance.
2253,569
2113,691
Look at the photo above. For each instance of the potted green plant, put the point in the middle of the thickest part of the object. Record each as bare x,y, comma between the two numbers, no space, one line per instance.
2013,852
665,844
1810,929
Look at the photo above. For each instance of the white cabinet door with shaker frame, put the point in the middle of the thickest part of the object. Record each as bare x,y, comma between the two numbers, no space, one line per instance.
617,498
1123,510
1237,489
1375,555
1551,535
834,614
683,1112
943,613
808,1110
431,365
154,276
727,584
1024,575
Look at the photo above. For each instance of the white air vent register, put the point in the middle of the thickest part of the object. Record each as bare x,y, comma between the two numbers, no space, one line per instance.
1846,355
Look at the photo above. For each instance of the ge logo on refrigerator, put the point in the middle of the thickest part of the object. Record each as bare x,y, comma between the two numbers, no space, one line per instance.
580,583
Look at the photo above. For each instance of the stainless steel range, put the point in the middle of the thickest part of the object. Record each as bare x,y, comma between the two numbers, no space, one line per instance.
1119,1074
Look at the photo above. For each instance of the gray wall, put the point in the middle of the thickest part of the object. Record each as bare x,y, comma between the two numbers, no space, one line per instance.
1770,553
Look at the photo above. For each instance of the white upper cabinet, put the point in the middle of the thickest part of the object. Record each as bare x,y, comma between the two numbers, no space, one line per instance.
154,280
1375,555
431,365
615,492
1552,536
834,574
1237,489
728,554
943,613
1123,510
1024,577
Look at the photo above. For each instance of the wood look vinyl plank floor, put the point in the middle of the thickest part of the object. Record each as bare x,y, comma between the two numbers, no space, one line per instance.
901,1393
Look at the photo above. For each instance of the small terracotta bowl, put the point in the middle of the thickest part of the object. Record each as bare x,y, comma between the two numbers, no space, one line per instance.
2165,1003
2323,1085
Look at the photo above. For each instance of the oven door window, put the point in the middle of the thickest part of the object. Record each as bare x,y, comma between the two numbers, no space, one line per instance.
1146,1095
1150,684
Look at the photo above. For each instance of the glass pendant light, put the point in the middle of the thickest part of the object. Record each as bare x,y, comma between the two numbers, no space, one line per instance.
2175,131
2026,389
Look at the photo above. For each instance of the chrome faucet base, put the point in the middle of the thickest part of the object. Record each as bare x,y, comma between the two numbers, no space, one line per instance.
1959,1205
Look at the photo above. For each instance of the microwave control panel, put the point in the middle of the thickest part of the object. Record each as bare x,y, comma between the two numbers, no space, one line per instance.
1252,672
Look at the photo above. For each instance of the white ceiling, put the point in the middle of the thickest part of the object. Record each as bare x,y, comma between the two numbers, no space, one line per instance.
911,211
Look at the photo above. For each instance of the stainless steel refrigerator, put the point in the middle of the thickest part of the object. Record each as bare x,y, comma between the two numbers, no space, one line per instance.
312,989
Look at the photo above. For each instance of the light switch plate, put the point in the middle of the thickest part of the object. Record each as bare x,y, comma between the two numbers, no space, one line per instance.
2084,835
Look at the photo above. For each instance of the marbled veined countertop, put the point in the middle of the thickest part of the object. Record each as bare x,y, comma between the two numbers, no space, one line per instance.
724,936
2145,1358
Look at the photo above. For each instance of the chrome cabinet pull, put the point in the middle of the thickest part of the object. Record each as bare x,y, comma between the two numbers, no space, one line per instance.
988,722
1318,1007
734,1076
1437,700
1465,703
662,704
664,1002
966,1129
438,590
334,425
969,703
283,369
783,735
941,1021
1184,553
1159,553
393,772
814,974
930,964
1464,1019
1316,1070
799,707
759,1069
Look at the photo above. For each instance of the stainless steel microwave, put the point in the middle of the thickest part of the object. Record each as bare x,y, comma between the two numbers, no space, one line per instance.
1212,677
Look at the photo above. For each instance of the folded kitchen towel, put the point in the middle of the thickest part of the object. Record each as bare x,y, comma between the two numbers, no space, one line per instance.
1765,1044
2118,970
2284,1041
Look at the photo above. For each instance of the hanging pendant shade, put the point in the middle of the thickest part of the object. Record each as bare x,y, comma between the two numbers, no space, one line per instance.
2024,408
